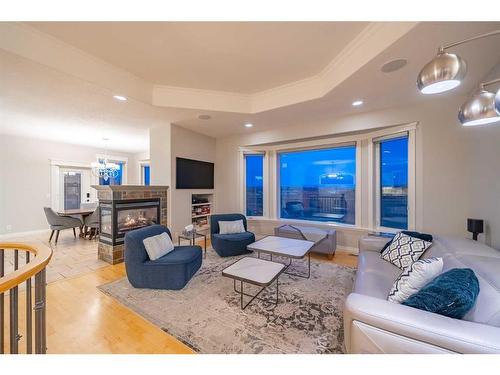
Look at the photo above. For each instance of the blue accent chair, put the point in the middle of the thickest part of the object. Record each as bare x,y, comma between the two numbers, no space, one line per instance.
171,271
227,245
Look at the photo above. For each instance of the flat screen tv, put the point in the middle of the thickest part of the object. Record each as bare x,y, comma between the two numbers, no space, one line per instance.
194,174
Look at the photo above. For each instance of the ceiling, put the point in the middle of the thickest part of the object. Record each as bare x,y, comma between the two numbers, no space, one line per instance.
37,99
39,102
378,90
241,57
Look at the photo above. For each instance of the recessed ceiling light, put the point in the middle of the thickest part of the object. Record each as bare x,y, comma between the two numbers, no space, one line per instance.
204,117
357,103
120,97
248,125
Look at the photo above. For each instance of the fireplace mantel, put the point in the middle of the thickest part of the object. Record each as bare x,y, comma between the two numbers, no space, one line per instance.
129,187
111,198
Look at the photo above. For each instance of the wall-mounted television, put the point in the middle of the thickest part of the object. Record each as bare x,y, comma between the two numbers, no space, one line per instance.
194,174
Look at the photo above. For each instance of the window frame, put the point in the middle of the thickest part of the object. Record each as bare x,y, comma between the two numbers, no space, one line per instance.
265,187
142,165
365,204
375,191
357,190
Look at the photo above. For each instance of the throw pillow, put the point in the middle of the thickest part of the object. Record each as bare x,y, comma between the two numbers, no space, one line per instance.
158,246
415,278
422,236
404,250
231,227
451,294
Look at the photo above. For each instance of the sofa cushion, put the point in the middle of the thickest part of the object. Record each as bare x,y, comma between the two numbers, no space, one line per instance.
374,276
404,250
423,236
236,237
415,278
457,252
158,245
215,218
180,255
231,227
451,294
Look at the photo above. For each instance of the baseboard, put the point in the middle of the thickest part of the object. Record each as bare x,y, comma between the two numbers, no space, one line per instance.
6,236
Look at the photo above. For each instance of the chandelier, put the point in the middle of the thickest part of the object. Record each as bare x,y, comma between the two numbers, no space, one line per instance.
103,168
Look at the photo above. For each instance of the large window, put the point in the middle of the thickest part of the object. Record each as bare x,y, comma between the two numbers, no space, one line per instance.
318,185
254,184
393,156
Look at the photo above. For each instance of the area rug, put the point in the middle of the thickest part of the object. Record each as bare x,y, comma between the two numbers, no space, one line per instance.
206,314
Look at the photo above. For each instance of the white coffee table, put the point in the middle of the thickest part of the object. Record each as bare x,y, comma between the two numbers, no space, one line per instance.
254,271
286,247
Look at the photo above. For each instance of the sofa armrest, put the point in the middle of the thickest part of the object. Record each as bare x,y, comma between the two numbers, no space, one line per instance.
452,334
372,243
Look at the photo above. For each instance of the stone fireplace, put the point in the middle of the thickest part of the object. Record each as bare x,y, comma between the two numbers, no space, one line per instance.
123,208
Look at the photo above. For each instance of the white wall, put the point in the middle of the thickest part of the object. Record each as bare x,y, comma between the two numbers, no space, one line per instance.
160,149
190,145
25,174
457,174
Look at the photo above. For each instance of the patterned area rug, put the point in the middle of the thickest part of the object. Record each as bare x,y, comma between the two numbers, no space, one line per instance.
206,314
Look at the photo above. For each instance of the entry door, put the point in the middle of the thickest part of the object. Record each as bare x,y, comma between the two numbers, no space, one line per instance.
75,187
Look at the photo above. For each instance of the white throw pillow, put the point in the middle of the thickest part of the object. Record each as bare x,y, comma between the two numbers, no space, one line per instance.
404,250
231,227
415,278
158,246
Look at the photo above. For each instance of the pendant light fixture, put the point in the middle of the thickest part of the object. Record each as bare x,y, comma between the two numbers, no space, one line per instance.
443,73
447,70
482,108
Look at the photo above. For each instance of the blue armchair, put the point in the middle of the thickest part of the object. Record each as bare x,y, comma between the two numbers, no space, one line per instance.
171,271
227,245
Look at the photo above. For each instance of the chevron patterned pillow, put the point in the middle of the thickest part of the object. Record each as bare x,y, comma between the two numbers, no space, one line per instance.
415,278
404,250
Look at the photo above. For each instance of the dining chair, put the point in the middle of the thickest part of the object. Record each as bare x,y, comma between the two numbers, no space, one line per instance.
92,222
58,223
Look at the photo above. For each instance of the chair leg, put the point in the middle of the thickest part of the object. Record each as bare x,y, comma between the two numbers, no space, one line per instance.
74,233
57,235
51,235
91,233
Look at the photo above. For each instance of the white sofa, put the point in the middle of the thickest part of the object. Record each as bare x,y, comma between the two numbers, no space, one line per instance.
374,325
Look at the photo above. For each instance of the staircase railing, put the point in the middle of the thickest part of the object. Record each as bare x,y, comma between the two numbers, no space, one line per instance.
36,260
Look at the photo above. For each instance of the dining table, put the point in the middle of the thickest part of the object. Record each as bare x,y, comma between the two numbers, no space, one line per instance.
83,212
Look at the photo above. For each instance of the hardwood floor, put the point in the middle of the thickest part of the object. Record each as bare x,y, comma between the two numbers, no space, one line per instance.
82,319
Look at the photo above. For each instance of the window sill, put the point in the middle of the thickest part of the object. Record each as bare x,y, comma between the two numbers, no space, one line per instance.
340,226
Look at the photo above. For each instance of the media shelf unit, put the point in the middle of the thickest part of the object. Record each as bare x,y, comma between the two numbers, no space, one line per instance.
201,209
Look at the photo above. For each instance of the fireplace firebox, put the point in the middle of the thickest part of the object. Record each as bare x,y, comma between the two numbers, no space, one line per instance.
121,216
124,208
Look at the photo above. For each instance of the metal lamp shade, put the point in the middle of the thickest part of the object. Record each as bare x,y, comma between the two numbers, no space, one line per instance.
497,101
480,109
444,72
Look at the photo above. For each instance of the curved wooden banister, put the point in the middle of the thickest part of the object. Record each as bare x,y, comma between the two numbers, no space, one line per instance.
40,260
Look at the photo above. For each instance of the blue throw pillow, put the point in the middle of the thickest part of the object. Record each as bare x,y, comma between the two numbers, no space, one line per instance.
451,294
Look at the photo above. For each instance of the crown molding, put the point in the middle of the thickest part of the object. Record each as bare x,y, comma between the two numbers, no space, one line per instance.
35,45
369,43
181,97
